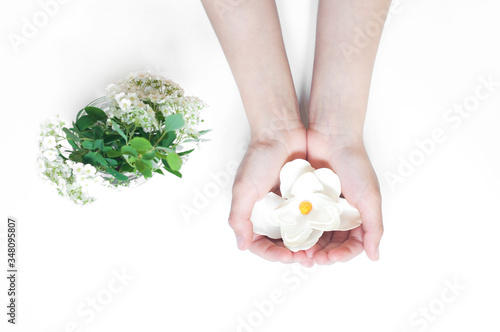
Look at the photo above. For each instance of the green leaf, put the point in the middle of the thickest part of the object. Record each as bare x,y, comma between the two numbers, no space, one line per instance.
114,154
176,173
164,149
99,144
87,134
140,144
174,122
203,132
111,162
129,151
93,158
161,155
96,113
100,159
89,145
111,138
174,161
149,155
70,135
97,131
141,166
80,113
169,140
119,176
84,122
148,163
147,173
126,168
185,152
118,130
73,145
159,171
89,158
77,156
106,149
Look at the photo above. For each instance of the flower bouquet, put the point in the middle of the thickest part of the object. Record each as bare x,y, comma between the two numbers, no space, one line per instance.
142,126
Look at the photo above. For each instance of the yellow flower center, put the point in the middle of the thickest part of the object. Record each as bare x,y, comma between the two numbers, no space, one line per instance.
305,207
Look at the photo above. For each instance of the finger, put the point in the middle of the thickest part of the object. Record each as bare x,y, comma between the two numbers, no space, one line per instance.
321,258
371,215
307,263
349,249
322,242
241,211
269,250
335,239
299,256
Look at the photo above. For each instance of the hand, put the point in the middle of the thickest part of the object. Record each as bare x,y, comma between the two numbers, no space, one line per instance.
257,175
347,157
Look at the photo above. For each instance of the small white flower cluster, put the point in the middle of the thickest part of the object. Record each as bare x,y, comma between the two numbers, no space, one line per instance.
71,179
140,97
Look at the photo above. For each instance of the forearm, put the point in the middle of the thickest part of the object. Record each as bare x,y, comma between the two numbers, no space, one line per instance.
250,35
343,65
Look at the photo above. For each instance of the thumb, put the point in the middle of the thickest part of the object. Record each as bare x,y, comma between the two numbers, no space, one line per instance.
373,230
239,217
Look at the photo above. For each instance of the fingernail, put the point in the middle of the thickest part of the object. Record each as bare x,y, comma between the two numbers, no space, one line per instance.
240,242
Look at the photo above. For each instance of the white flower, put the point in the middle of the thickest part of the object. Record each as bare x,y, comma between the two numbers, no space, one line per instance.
310,205
89,170
50,155
49,142
78,169
41,165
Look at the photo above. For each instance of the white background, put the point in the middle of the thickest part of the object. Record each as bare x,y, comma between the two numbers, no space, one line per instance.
442,221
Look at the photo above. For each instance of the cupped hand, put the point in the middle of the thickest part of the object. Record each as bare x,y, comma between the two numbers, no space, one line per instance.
348,158
257,175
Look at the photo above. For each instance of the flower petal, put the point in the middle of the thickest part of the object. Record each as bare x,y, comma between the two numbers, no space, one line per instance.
306,184
349,218
290,173
287,213
330,182
307,244
327,219
263,219
295,234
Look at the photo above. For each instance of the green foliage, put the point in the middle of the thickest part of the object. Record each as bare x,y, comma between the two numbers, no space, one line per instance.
84,122
128,150
96,113
174,122
140,144
174,161
120,149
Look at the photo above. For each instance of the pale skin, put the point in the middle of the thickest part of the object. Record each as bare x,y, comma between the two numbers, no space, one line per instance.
250,35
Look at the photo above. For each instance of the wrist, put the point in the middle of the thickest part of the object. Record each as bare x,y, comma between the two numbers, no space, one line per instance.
275,123
336,136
